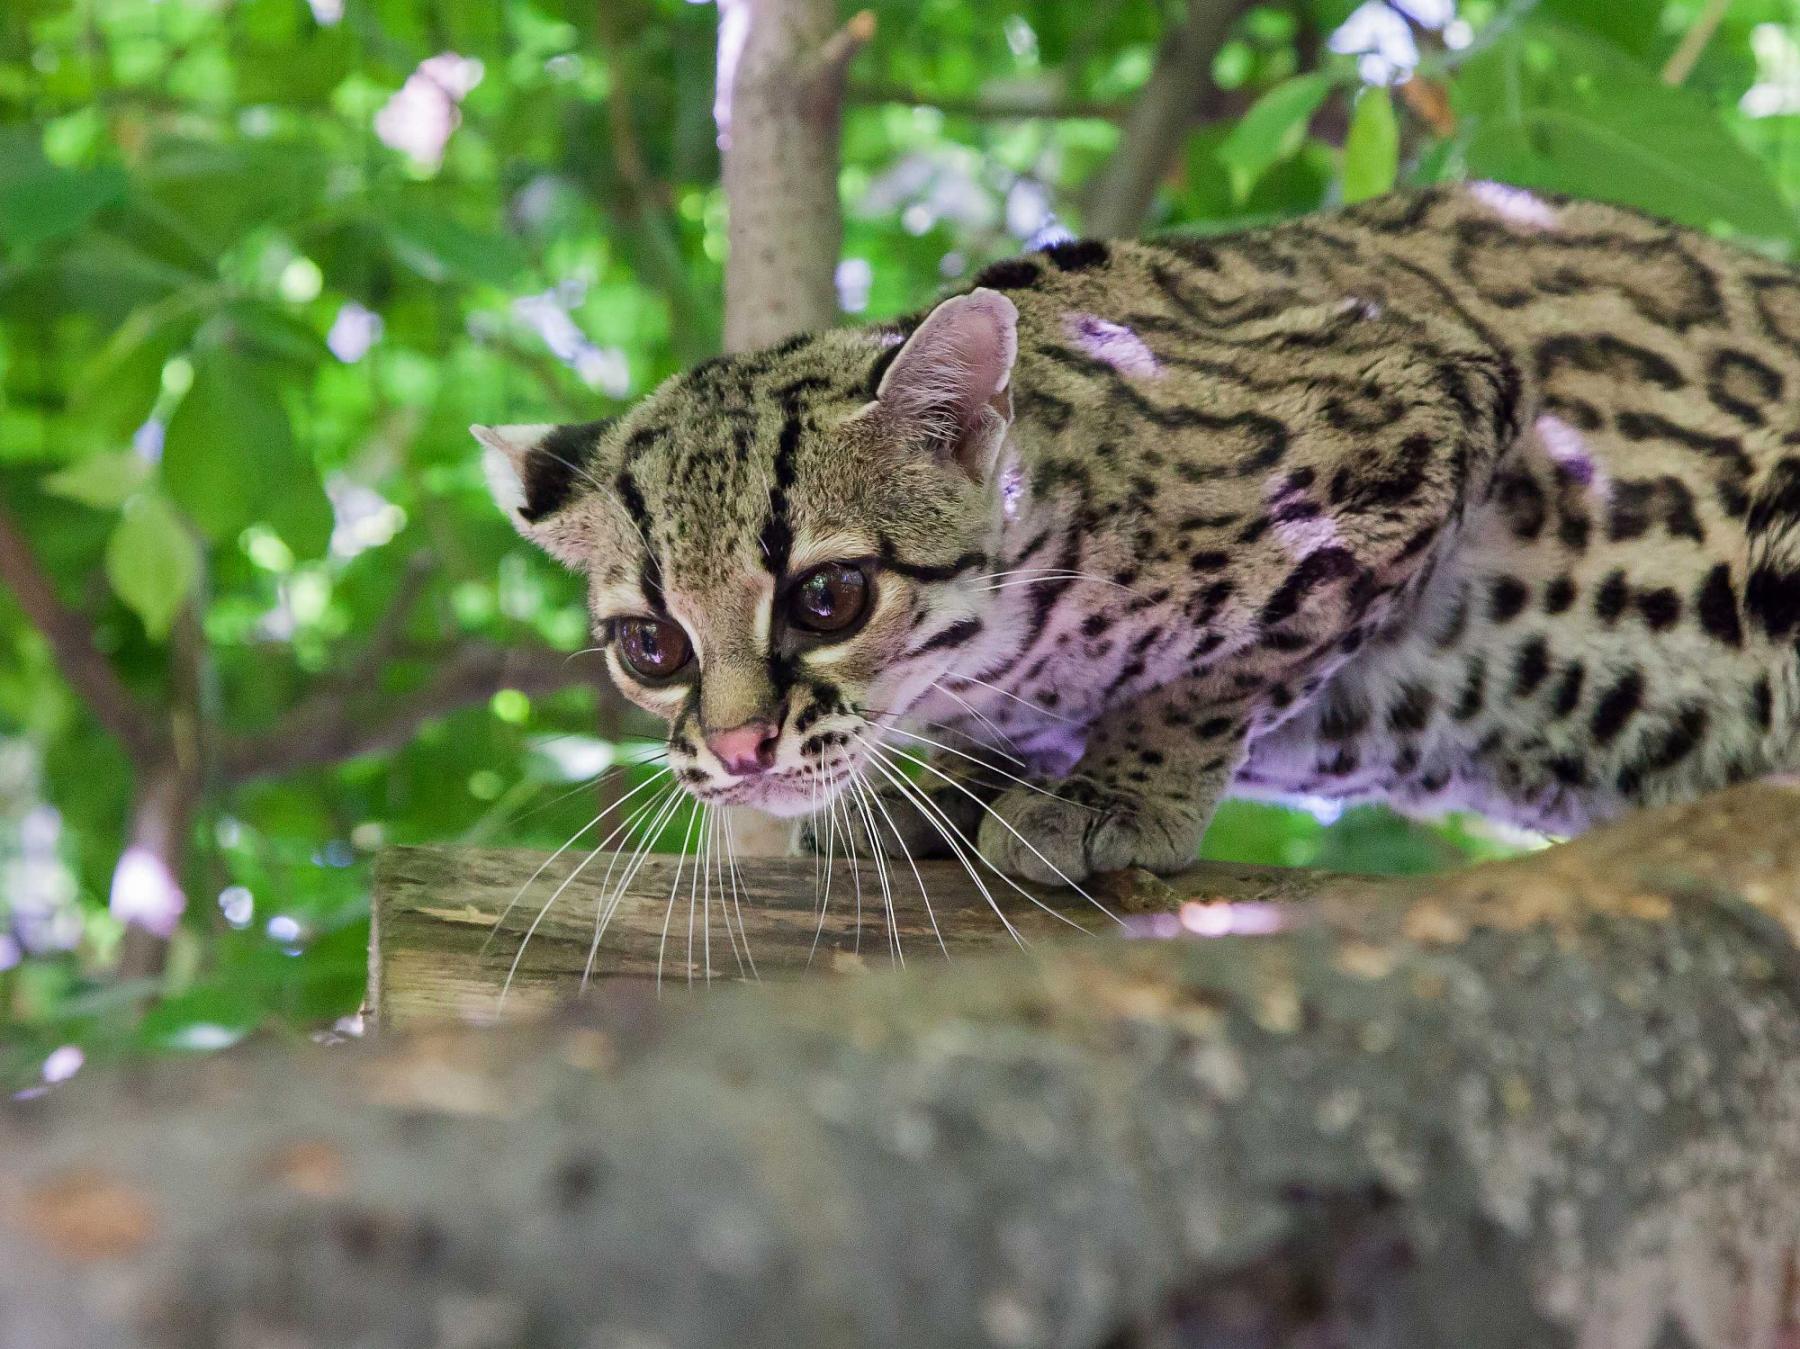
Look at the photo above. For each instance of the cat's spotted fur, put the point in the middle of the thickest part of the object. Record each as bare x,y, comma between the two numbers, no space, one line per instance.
1461,498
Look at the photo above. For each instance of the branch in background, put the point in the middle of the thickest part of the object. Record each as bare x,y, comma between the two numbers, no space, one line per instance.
330,727
71,639
824,77
1119,197
1693,42
993,105
390,627
146,892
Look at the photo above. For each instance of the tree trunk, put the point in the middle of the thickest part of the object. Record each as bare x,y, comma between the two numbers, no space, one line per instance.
1118,200
780,94
1547,1102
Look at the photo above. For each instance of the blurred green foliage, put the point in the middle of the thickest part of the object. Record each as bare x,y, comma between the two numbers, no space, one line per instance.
263,261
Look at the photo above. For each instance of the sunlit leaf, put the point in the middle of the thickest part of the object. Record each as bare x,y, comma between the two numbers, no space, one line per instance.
104,481
441,248
41,202
1372,147
152,562
1272,130
1563,110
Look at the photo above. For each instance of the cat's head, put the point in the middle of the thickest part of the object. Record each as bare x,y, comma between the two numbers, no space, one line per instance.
785,549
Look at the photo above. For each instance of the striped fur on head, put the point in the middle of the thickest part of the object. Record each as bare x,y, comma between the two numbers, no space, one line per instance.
705,504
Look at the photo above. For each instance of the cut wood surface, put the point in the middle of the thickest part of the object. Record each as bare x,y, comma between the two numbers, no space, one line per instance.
1542,1103
450,923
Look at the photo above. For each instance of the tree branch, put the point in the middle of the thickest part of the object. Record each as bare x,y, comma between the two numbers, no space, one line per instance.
780,72
1118,199
71,639
390,627
1693,42
330,727
826,73
1553,1101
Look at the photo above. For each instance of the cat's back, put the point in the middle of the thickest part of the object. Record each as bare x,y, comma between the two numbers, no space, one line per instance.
1616,623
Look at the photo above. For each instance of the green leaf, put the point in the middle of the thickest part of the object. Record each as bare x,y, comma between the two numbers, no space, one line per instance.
42,203
1632,28
1273,129
300,511
1372,147
103,481
440,248
230,460
216,453
1562,110
152,562
276,334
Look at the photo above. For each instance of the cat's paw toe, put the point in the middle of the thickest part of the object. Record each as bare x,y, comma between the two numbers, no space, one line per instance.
1038,836
1064,839
1144,834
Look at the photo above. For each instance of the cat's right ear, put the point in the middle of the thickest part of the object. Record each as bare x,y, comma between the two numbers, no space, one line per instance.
534,471
946,392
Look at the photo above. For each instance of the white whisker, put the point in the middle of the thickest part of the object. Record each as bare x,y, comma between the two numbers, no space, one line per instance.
1043,575
959,845
737,886
878,855
556,894
666,811
981,716
978,762
1024,702
924,894
687,837
1007,825
655,803
545,864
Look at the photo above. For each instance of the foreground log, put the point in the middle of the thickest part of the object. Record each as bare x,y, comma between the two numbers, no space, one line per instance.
1546,1102
469,934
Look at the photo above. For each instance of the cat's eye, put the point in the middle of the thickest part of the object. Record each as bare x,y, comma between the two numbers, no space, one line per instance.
830,598
652,649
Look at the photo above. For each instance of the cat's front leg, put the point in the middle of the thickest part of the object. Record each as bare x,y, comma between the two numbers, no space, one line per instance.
1141,796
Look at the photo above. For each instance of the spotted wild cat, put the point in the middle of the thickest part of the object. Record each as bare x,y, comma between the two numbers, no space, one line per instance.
1461,498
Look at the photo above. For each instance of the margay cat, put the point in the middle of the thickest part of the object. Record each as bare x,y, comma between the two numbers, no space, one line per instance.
1460,498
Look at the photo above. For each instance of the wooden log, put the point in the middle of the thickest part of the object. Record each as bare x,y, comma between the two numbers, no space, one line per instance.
469,934
1550,1102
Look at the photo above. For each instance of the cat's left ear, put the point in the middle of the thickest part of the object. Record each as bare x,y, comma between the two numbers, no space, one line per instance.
534,471
947,391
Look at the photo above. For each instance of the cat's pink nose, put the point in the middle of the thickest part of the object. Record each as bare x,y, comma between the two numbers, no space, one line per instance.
748,749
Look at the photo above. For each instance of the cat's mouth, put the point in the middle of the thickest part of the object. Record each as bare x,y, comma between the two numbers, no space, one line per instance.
798,791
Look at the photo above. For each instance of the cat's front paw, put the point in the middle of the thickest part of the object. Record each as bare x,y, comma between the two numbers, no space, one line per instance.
1067,832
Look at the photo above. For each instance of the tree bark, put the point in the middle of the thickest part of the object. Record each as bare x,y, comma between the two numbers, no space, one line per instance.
1118,200
1546,1102
467,934
780,94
